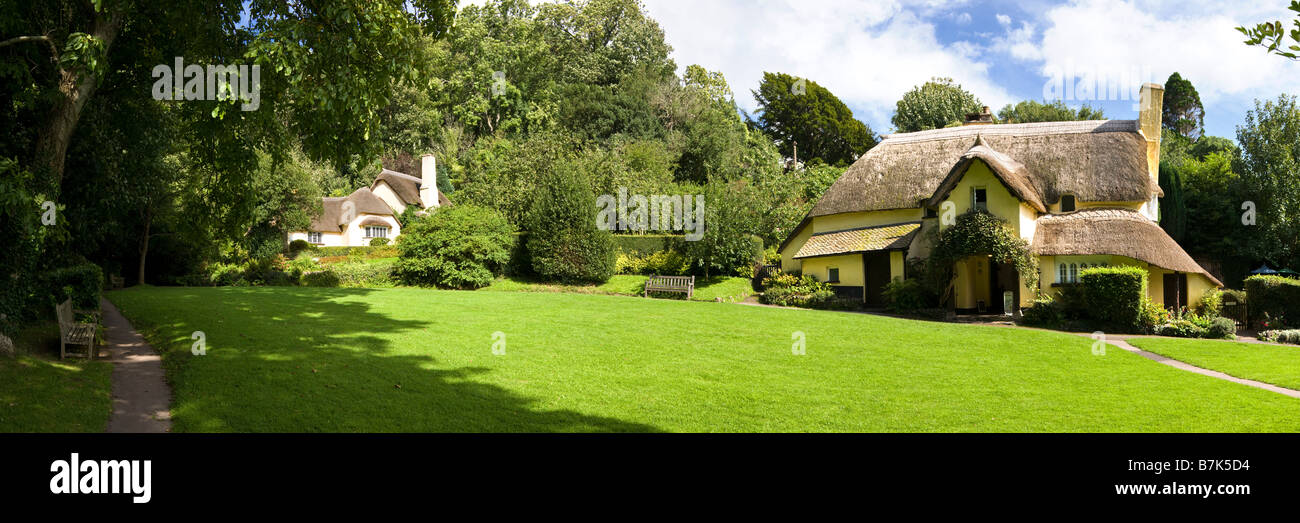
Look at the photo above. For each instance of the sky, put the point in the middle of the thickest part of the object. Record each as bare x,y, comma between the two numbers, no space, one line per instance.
870,52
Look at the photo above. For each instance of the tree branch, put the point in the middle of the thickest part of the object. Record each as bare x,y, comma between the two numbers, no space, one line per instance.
48,41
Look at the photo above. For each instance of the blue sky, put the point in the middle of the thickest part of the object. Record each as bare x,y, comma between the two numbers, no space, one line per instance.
869,52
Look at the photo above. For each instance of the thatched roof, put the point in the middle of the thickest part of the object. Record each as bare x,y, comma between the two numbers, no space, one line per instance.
332,216
406,186
862,239
1094,160
1012,173
1120,232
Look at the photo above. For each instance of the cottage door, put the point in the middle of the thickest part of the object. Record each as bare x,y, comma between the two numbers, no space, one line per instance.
1175,291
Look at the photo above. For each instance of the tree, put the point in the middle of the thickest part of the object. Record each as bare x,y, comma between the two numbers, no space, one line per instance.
564,243
727,246
935,104
1270,159
1270,35
1030,111
1173,211
460,247
808,122
1183,112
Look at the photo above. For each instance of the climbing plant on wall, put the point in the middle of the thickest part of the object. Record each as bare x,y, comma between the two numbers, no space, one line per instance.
979,233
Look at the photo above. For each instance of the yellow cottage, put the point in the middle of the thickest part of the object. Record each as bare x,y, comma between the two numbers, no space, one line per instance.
1082,194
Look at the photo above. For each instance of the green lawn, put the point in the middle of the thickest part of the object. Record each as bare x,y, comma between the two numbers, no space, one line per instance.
39,393
727,288
407,359
1276,364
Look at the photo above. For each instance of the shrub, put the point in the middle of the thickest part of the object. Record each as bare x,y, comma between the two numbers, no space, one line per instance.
1281,336
1181,329
1114,295
1274,296
82,283
1222,328
727,246
564,243
1210,303
368,274
796,291
378,242
298,246
378,251
645,244
325,278
903,295
462,247
1152,315
665,263
1045,311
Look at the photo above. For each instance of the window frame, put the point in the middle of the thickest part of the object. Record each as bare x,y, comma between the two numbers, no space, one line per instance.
319,238
832,275
384,228
975,198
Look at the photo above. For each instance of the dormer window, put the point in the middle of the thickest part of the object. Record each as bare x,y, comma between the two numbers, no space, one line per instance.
1067,203
979,199
374,231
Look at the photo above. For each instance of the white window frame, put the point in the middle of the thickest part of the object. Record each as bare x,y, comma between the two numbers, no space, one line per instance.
315,237
382,229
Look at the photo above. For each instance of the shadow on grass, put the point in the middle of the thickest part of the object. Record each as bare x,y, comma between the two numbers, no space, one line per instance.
288,359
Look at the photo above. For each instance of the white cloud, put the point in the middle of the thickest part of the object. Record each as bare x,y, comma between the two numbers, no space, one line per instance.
963,18
866,52
1164,37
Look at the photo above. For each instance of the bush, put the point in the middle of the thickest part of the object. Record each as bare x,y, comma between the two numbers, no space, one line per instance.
325,278
1045,312
378,242
368,274
1222,328
1273,297
81,283
797,291
904,295
1281,336
564,243
645,244
1210,303
461,247
1181,329
1152,315
1114,296
298,246
663,263
378,251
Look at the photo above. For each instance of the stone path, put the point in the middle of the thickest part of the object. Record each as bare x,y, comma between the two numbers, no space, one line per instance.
141,396
1124,344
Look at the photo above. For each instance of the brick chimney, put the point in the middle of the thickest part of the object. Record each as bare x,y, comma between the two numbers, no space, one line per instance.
984,117
429,181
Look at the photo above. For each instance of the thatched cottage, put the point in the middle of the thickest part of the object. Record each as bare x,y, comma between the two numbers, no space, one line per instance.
371,212
1082,194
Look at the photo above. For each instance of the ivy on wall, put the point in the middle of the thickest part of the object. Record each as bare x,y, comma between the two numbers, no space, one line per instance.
979,233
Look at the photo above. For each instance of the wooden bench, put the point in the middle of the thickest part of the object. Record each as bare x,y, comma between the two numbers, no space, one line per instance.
683,284
72,332
116,282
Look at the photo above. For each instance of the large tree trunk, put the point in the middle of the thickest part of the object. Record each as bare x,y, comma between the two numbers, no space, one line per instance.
75,87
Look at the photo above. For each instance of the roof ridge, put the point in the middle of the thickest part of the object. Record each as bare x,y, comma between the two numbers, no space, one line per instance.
1015,129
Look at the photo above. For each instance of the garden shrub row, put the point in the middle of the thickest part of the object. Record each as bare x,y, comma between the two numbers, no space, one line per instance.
1291,336
647,244
83,283
1273,299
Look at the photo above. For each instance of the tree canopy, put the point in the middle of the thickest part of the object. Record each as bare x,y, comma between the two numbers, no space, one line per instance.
936,104
1272,35
1030,111
1183,112
808,122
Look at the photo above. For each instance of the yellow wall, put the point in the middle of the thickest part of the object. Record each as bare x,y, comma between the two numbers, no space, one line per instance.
1001,202
850,266
896,265
839,222
788,263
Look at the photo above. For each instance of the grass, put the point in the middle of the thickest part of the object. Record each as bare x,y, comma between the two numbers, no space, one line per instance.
407,359
39,393
727,288
1275,364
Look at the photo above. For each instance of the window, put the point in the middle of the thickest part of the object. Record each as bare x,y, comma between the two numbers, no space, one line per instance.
1062,275
1067,203
313,237
980,198
1074,273
375,231
833,275
931,213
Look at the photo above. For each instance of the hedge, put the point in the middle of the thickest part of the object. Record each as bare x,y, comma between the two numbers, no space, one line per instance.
646,244
1113,295
1276,296
376,251
83,283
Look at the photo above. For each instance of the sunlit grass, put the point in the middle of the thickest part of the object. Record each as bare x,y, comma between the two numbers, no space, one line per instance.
1275,364
407,359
